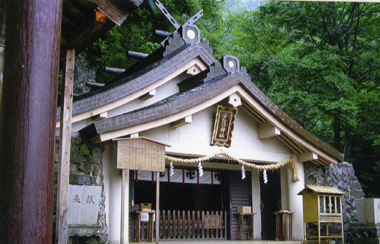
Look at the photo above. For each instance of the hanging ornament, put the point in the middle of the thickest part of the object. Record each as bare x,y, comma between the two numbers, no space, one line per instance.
242,172
200,169
265,176
171,169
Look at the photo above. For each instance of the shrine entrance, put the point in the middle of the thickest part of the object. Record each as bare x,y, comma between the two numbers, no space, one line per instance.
190,205
179,195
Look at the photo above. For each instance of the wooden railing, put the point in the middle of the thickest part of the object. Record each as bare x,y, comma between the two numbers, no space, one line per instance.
190,225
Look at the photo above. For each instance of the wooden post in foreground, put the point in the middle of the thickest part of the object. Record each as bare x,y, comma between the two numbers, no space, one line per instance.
27,120
64,147
157,207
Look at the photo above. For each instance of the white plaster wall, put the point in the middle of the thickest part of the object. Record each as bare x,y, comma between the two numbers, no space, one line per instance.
112,187
295,202
195,138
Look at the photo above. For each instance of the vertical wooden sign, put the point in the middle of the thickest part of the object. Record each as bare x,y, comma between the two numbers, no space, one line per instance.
224,125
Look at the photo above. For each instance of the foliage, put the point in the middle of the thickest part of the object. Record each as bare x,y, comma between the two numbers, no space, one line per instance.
320,63
111,50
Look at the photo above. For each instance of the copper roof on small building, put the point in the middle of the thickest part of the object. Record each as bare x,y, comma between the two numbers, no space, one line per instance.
321,190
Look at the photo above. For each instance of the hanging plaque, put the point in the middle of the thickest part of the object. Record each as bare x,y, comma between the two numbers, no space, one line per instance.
224,125
141,154
213,221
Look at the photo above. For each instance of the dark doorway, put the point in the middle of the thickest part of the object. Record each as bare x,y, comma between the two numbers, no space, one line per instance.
270,203
176,196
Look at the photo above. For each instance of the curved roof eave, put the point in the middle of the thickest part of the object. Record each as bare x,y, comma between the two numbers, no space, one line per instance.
201,97
141,82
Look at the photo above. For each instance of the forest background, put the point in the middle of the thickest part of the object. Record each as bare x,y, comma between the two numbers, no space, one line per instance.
318,61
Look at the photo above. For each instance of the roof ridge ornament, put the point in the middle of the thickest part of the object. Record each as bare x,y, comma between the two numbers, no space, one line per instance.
231,63
243,70
190,33
216,71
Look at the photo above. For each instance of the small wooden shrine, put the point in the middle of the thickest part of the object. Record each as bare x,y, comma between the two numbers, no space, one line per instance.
322,205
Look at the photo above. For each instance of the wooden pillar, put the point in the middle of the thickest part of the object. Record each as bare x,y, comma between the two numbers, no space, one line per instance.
27,120
64,147
123,171
157,207
124,227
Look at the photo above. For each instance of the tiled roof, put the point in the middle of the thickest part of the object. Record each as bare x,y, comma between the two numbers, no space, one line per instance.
142,78
183,101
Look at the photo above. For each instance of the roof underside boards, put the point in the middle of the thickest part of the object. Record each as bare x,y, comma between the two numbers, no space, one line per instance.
237,81
79,25
101,100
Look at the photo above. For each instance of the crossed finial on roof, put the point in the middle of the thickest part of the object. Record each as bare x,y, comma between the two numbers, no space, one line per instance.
172,20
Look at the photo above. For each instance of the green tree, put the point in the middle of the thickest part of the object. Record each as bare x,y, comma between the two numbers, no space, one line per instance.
110,51
320,62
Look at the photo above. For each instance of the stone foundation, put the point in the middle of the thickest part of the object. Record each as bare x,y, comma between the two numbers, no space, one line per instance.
365,233
86,168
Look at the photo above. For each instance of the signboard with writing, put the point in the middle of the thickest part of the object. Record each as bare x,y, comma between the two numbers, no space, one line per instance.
83,205
224,125
213,221
141,154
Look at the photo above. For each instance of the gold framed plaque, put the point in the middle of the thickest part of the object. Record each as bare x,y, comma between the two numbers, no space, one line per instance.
224,125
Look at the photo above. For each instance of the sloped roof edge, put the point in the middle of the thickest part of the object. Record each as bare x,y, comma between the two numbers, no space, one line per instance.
183,101
144,78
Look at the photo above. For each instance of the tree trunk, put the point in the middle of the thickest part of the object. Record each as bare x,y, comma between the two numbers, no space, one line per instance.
27,120
337,129
347,141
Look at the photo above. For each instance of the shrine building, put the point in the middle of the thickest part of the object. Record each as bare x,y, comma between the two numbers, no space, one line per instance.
224,153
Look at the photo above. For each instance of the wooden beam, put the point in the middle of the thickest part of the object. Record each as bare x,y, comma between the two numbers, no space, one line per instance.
193,70
113,11
148,95
157,207
252,115
290,145
65,143
82,37
296,145
234,100
267,130
307,157
100,116
114,70
76,9
135,135
184,121
123,172
254,112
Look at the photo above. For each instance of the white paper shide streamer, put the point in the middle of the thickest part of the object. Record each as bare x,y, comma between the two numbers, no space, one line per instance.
171,169
265,176
242,172
200,169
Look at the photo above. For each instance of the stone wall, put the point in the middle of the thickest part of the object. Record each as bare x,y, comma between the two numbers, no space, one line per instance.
86,168
342,176
84,71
